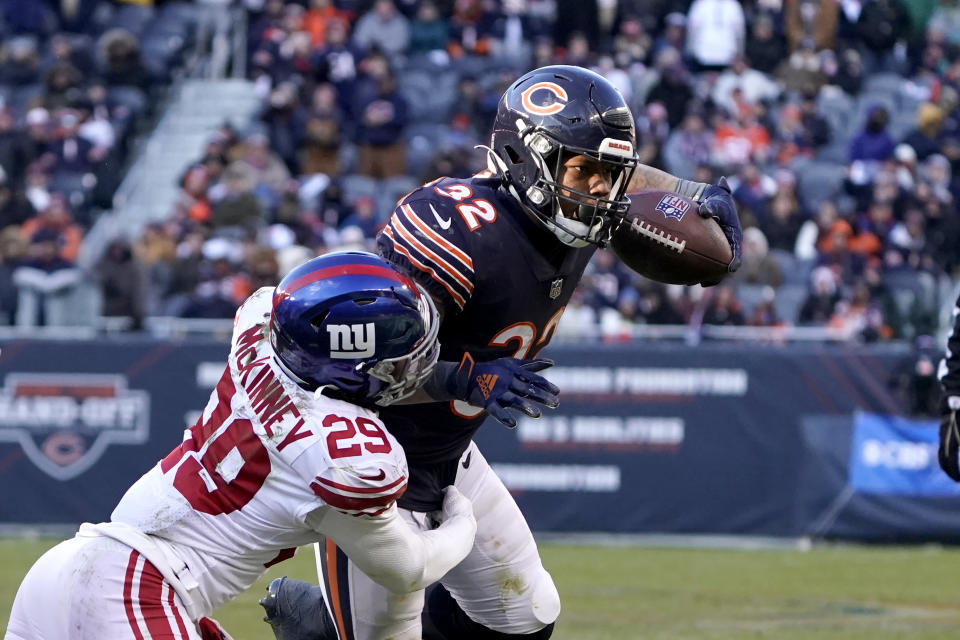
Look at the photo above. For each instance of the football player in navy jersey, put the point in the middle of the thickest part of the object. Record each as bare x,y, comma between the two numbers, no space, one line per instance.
501,253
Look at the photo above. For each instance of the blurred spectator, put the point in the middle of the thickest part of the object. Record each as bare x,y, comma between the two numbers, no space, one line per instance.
44,279
654,306
764,48
753,86
337,60
577,17
752,189
364,217
882,24
428,31
193,201
836,251
122,281
578,52
925,137
815,229
122,64
60,82
821,301
262,267
13,247
156,250
317,18
632,44
674,35
15,209
319,150
740,139
689,146
802,72
870,147
873,229
284,119
722,307
716,30
383,27
673,90
816,128
56,220
758,266
861,316
653,128
234,204
782,226
262,166
382,120
20,61
71,153
811,21
764,312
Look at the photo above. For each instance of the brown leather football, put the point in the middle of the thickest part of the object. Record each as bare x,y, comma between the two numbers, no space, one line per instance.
665,239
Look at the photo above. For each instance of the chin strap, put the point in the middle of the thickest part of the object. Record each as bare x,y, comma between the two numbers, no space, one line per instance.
566,232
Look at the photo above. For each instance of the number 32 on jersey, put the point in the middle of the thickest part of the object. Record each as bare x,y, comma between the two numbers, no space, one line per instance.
472,211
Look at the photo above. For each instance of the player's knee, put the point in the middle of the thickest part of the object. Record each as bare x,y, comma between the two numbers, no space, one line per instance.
544,600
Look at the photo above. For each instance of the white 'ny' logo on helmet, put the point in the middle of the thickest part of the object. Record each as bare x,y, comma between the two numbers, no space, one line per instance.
352,340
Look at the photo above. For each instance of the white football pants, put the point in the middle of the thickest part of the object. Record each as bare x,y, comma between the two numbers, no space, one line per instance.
501,584
93,588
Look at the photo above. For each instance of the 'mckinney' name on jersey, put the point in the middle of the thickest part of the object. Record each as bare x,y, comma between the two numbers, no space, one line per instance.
268,398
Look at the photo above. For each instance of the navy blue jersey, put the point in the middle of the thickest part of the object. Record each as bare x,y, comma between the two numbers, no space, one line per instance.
501,281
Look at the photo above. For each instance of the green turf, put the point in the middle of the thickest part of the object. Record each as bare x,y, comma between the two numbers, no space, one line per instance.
619,593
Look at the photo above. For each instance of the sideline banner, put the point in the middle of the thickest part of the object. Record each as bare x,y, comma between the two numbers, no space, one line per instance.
659,438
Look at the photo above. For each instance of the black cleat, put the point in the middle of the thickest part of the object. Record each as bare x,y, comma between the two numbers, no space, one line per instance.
296,611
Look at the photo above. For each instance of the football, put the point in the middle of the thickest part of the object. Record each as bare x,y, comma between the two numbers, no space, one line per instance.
663,238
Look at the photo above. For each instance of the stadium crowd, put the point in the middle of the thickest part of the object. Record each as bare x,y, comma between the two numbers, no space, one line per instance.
837,125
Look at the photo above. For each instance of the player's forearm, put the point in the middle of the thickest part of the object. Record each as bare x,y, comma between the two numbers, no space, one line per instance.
647,177
395,556
437,388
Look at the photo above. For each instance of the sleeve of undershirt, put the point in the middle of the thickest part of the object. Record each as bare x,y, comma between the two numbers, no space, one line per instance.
391,552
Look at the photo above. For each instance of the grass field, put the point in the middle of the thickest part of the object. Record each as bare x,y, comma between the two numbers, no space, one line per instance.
639,593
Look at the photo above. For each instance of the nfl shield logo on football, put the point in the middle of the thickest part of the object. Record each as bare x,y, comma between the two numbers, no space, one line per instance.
673,206
555,288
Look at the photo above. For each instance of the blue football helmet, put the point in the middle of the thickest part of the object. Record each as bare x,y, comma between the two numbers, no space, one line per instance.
350,321
548,116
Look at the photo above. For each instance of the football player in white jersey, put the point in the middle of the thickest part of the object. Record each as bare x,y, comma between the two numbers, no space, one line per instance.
289,451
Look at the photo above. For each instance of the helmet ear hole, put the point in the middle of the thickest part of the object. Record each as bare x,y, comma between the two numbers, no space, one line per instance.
515,158
318,319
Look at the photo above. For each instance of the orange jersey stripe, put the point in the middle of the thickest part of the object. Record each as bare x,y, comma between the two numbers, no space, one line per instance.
331,554
454,250
432,255
459,299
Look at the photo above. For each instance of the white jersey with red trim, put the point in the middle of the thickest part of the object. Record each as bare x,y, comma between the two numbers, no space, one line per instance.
242,489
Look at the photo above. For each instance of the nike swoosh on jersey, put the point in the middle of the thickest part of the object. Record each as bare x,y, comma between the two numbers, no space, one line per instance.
379,476
444,223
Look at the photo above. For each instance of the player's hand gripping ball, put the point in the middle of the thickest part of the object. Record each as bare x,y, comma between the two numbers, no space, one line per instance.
665,238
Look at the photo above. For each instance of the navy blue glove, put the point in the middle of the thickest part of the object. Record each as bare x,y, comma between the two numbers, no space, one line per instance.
949,437
716,202
504,384
295,611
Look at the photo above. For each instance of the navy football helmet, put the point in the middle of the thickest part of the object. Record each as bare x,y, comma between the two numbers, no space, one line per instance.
548,116
350,321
